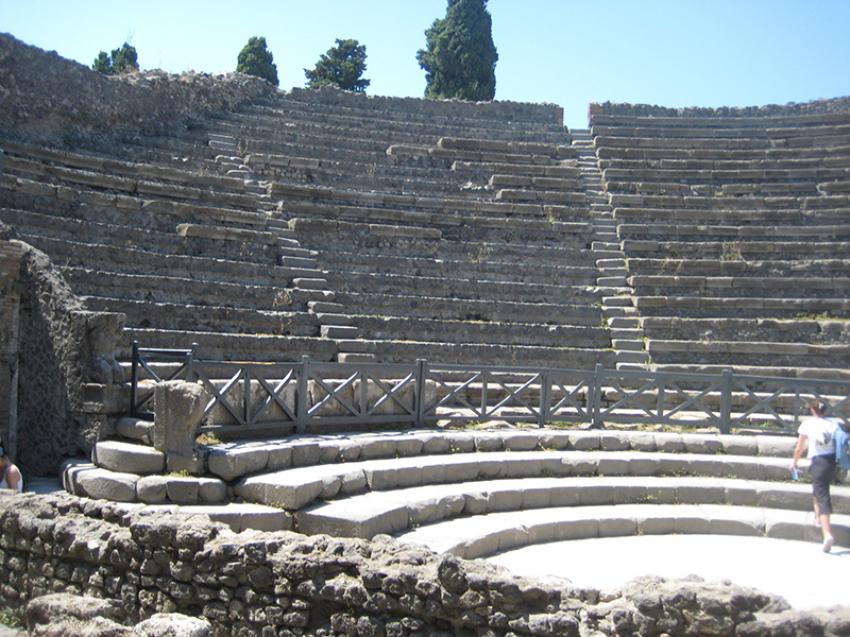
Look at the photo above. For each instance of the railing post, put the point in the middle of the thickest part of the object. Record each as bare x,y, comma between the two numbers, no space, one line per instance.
596,417
419,392
134,377
302,403
190,364
543,413
726,402
246,396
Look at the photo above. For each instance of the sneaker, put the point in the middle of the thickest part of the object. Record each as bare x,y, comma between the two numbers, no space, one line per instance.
828,541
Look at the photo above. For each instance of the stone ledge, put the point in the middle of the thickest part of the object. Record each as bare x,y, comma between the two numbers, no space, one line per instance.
483,535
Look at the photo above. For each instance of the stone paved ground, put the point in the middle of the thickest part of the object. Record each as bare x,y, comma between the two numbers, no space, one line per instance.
799,571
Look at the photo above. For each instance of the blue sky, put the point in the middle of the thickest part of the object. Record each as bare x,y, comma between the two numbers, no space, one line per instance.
670,52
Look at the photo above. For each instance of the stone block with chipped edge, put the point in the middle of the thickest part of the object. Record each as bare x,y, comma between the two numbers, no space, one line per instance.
103,484
151,489
128,457
231,463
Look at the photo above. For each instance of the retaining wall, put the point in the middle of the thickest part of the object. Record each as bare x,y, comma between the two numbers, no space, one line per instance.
285,583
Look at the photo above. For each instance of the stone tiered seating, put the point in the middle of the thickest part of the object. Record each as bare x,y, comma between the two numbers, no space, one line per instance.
433,244
186,255
478,492
734,226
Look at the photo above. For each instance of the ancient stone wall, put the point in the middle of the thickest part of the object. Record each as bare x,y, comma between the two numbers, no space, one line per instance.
288,584
61,348
10,301
44,96
816,107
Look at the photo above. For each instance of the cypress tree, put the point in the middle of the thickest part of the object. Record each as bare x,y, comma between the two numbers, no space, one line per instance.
256,59
460,57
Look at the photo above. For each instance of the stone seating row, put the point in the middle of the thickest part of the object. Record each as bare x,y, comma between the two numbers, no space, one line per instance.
406,510
763,189
767,353
738,250
605,153
334,118
738,267
233,195
746,175
685,131
490,310
725,143
480,536
773,216
497,267
809,331
453,215
101,206
768,164
730,307
727,202
782,287
750,233
798,121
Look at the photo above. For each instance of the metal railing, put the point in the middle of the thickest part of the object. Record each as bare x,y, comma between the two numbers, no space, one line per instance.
325,396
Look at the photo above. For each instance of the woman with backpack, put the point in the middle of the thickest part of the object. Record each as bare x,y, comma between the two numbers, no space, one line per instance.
817,434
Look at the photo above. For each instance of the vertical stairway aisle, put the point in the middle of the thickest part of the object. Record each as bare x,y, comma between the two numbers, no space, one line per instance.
621,316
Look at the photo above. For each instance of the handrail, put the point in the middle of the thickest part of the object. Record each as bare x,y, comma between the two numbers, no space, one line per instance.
330,395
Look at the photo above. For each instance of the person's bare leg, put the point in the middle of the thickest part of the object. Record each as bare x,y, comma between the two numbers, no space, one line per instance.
826,529
817,512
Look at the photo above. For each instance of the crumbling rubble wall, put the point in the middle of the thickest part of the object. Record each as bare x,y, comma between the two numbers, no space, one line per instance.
283,583
46,97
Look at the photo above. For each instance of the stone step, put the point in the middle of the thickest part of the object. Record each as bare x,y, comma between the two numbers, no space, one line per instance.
88,480
239,516
487,310
128,457
229,346
355,357
617,301
183,290
640,357
135,429
611,281
208,318
339,331
620,345
318,307
294,489
482,535
370,514
619,322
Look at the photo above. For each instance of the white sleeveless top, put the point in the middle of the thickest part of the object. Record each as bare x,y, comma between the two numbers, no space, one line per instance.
5,485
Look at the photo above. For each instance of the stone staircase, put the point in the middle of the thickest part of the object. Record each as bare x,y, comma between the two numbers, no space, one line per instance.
622,318
475,493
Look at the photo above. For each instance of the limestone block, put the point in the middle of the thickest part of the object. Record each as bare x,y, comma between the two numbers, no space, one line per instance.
181,490
640,441
614,466
739,445
173,625
377,448
521,440
353,482
617,526
349,450
331,486
151,489
488,441
103,484
240,461
128,457
576,529
179,407
669,442
435,443
533,498
577,465
584,440
280,456
554,440
782,446
211,490
614,441
305,453
702,443
409,446
280,490
460,442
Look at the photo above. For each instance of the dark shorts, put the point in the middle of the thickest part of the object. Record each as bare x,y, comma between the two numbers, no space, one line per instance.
823,472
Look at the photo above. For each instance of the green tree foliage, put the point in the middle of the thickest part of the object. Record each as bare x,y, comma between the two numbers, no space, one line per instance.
460,57
256,59
122,60
342,66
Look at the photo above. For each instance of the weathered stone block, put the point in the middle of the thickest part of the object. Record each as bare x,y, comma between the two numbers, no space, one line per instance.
179,407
